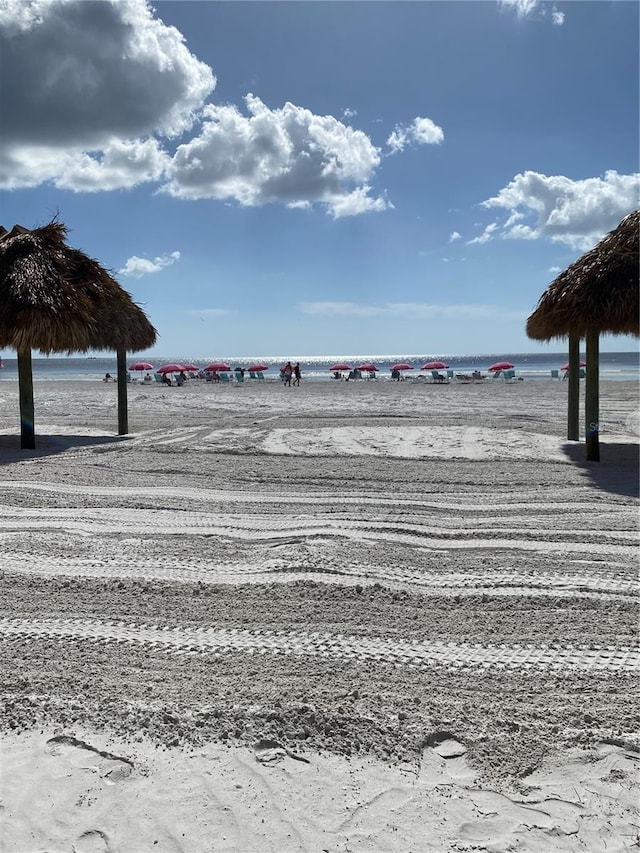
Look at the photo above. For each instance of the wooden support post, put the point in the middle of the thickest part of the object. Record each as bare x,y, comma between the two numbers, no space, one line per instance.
592,398
25,390
573,402
123,414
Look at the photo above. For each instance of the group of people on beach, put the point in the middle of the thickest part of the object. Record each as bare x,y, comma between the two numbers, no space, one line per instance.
290,374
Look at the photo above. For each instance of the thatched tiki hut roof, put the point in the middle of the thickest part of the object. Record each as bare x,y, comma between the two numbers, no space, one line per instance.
56,299
599,293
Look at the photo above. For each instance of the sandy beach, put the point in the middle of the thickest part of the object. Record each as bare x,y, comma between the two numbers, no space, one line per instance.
363,616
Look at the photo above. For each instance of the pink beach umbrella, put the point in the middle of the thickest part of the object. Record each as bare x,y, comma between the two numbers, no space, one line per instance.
402,365
141,365
171,368
342,365
369,366
501,365
215,366
435,365
191,368
257,368
566,366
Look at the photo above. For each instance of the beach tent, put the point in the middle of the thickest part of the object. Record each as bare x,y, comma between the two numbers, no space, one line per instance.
54,298
597,294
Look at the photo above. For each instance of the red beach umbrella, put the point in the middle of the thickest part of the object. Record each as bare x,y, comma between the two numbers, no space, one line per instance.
257,368
141,365
370,366
340,366
215,366
435,365
402,365
190,367
171,368
566,366
501,365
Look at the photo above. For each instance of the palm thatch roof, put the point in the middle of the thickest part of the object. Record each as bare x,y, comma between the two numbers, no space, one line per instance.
597,293
57,299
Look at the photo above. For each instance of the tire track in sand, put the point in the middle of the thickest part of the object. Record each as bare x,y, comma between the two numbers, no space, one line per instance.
262,528
395,651
509,581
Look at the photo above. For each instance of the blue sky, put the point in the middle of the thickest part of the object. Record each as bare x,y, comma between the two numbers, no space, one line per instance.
311,178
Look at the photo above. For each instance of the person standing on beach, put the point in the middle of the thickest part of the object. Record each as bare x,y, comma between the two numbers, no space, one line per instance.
296,373
287,373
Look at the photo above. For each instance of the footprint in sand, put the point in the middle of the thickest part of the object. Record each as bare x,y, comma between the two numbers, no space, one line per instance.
112,768
92,841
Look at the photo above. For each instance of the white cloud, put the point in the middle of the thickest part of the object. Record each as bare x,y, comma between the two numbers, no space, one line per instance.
288,155
137,267
575,213
92,77
421,131
486,235
347,112
407,310
122,164
554,269
455,235
535,9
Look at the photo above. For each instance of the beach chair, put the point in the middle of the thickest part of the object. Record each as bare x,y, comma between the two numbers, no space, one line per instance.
497,374
509,375
239,377
450,374
224,377
157,377
582,374
555,374
437,376
260,375
253,374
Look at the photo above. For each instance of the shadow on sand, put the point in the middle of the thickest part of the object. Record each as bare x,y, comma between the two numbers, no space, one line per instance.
618,470
48,445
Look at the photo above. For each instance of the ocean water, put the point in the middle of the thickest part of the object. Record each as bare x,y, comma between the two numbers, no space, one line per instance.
535,366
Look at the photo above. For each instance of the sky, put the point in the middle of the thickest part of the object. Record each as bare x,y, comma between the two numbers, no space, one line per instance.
308,178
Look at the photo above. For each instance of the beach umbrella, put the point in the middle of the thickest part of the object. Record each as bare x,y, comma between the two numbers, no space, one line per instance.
402,365
171,368
215,366
257,368
342,365
435,365
501,365
598,294
580,364
191,367
370,366
57,299
141,365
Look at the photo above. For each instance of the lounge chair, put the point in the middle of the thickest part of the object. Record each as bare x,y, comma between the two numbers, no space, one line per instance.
157,377
253,374
239,376
450,374
260,375
497,374
555,374
437,376
582,374
224,377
